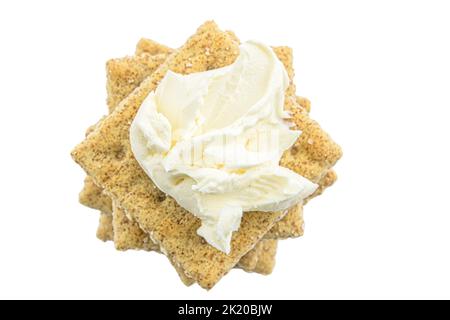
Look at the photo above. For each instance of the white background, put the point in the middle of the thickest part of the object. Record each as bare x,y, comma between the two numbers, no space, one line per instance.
378,76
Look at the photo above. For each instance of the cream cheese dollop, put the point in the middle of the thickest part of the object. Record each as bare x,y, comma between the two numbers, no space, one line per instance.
213,141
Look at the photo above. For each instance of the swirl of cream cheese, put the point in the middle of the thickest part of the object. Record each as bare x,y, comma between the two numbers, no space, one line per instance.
213,141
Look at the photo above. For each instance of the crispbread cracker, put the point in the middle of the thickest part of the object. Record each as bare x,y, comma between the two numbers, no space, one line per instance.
123,76
126,233
107,151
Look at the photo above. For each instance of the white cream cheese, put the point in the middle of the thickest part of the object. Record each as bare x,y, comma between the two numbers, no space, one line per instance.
213,141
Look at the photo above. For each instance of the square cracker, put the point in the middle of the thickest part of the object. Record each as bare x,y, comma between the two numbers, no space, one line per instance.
291,225
107,157
124,75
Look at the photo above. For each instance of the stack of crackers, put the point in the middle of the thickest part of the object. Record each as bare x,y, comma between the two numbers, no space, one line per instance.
135,214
